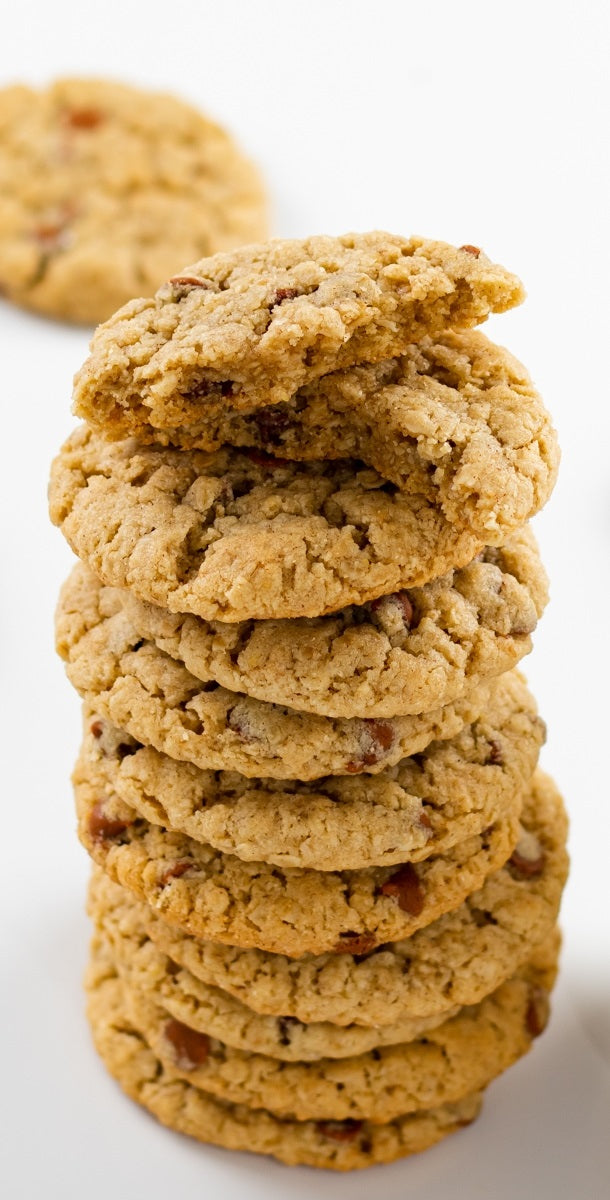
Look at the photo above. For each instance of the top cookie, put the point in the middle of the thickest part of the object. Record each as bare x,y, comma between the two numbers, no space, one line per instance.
455,419
108,189
251,327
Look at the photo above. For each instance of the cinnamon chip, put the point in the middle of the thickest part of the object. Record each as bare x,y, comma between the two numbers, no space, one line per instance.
405,885
178,869
271,422
284,294
538,1011
84,118
102,826
402,602
355,943
190,1048
528,858
339,1131
377,738
495,757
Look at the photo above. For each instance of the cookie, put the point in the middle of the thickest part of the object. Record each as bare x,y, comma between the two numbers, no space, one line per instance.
456,1058
456,420
458,959
180,1105
235,535
420,807
107,189
159,702
249,328
285,910
404,653
210,1011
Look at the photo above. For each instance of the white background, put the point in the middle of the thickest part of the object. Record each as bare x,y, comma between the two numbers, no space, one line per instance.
471,122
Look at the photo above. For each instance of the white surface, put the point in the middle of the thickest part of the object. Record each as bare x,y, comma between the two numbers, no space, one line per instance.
473,122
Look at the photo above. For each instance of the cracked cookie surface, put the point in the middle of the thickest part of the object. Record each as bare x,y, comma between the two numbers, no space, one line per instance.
422,806
457,959
210,1011
403,653
253,326
457,1057
182,1106
456,420
230,536
285,910
108,189
157,701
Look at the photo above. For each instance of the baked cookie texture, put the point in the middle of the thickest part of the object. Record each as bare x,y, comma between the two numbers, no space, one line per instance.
461,1055
338,1145
422,806
257,324
214,1013
403,653
289,910
457,959
158,701
108,189
457,418
183,528
327,870
230,536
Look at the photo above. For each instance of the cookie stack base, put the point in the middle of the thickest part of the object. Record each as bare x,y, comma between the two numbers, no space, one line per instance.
205,1108
340,1146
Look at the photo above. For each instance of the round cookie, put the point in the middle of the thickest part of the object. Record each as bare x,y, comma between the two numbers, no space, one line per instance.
456,1058
157,701
235,535
208,1010
250,328
341,1146
404,653
456,420
422,806
287,911
107,189
457,959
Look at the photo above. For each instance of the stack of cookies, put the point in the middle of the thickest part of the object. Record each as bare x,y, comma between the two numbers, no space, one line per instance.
327,871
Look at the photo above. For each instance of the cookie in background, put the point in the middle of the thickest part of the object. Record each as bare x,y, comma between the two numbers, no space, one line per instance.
108,189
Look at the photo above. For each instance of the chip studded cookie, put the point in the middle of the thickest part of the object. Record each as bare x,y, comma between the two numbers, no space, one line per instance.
455,419
159,702
178,1104
209,1011
253,326
459,958
455,1058
108,189
326,870
403,653
422,806
228,536
285,910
